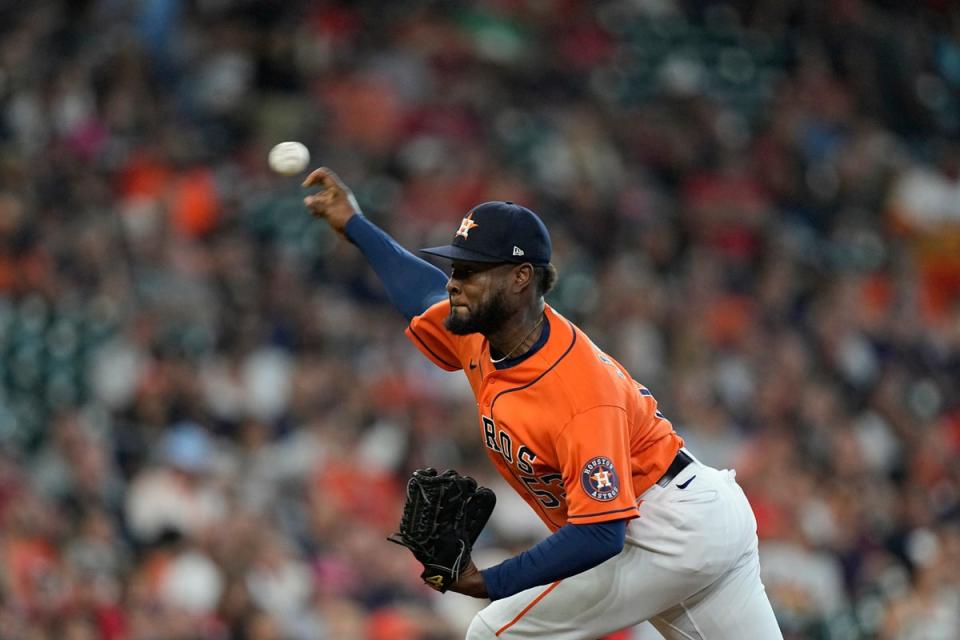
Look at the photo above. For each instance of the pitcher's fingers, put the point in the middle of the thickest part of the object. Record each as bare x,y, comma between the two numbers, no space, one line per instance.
317,176
326,178
331,179
316,201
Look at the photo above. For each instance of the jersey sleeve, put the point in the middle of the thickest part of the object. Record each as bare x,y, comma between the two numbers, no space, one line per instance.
428,334
594,453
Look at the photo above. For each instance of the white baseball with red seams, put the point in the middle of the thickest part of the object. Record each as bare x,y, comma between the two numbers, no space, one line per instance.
689,566
288,158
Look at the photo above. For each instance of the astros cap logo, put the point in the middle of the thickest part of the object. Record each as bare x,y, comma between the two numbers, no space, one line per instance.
466,225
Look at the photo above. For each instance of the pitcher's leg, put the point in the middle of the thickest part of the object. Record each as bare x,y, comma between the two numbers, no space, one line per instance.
673,551
735,608
688,545
589,605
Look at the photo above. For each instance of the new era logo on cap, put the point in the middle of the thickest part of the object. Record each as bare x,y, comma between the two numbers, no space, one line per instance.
494,232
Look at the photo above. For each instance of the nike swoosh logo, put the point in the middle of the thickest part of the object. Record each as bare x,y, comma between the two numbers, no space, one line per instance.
686,484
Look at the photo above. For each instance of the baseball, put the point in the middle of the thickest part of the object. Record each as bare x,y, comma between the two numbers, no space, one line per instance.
288,158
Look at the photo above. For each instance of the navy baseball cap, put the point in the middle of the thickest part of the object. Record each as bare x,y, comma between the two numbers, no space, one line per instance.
498,232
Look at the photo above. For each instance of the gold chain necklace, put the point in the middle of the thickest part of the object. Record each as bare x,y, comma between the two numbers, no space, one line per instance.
524,339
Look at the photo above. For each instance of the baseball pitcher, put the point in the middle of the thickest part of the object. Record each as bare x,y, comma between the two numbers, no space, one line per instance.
641,530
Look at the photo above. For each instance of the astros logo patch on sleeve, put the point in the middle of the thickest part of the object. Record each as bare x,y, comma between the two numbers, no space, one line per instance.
599,479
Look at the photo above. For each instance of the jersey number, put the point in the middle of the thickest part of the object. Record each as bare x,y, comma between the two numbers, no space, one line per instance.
544,497
501,442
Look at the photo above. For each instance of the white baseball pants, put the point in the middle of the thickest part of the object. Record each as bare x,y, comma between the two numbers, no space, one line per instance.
689,566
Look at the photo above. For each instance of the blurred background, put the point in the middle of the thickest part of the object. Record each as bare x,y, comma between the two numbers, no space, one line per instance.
208,410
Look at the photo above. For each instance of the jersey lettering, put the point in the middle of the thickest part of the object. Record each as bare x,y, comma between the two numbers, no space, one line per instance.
605,359
490,433
506,446
545,488
646,394
525,459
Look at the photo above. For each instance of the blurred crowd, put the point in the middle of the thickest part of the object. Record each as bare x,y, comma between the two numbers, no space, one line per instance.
208,409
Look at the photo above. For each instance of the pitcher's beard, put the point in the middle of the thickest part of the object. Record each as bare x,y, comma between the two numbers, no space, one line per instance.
487,319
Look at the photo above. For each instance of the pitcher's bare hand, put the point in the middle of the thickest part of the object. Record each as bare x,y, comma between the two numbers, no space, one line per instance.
335,203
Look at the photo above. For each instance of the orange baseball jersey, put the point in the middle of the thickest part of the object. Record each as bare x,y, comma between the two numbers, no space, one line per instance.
567,427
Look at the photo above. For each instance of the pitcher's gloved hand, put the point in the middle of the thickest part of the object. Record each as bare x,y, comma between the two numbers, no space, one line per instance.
443,515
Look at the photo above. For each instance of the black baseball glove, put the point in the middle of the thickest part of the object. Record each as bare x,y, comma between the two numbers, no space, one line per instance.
442,516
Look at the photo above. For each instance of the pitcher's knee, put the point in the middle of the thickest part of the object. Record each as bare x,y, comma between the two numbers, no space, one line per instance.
479,630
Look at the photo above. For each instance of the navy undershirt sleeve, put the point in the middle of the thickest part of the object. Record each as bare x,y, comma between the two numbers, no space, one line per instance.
413,285
572,549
